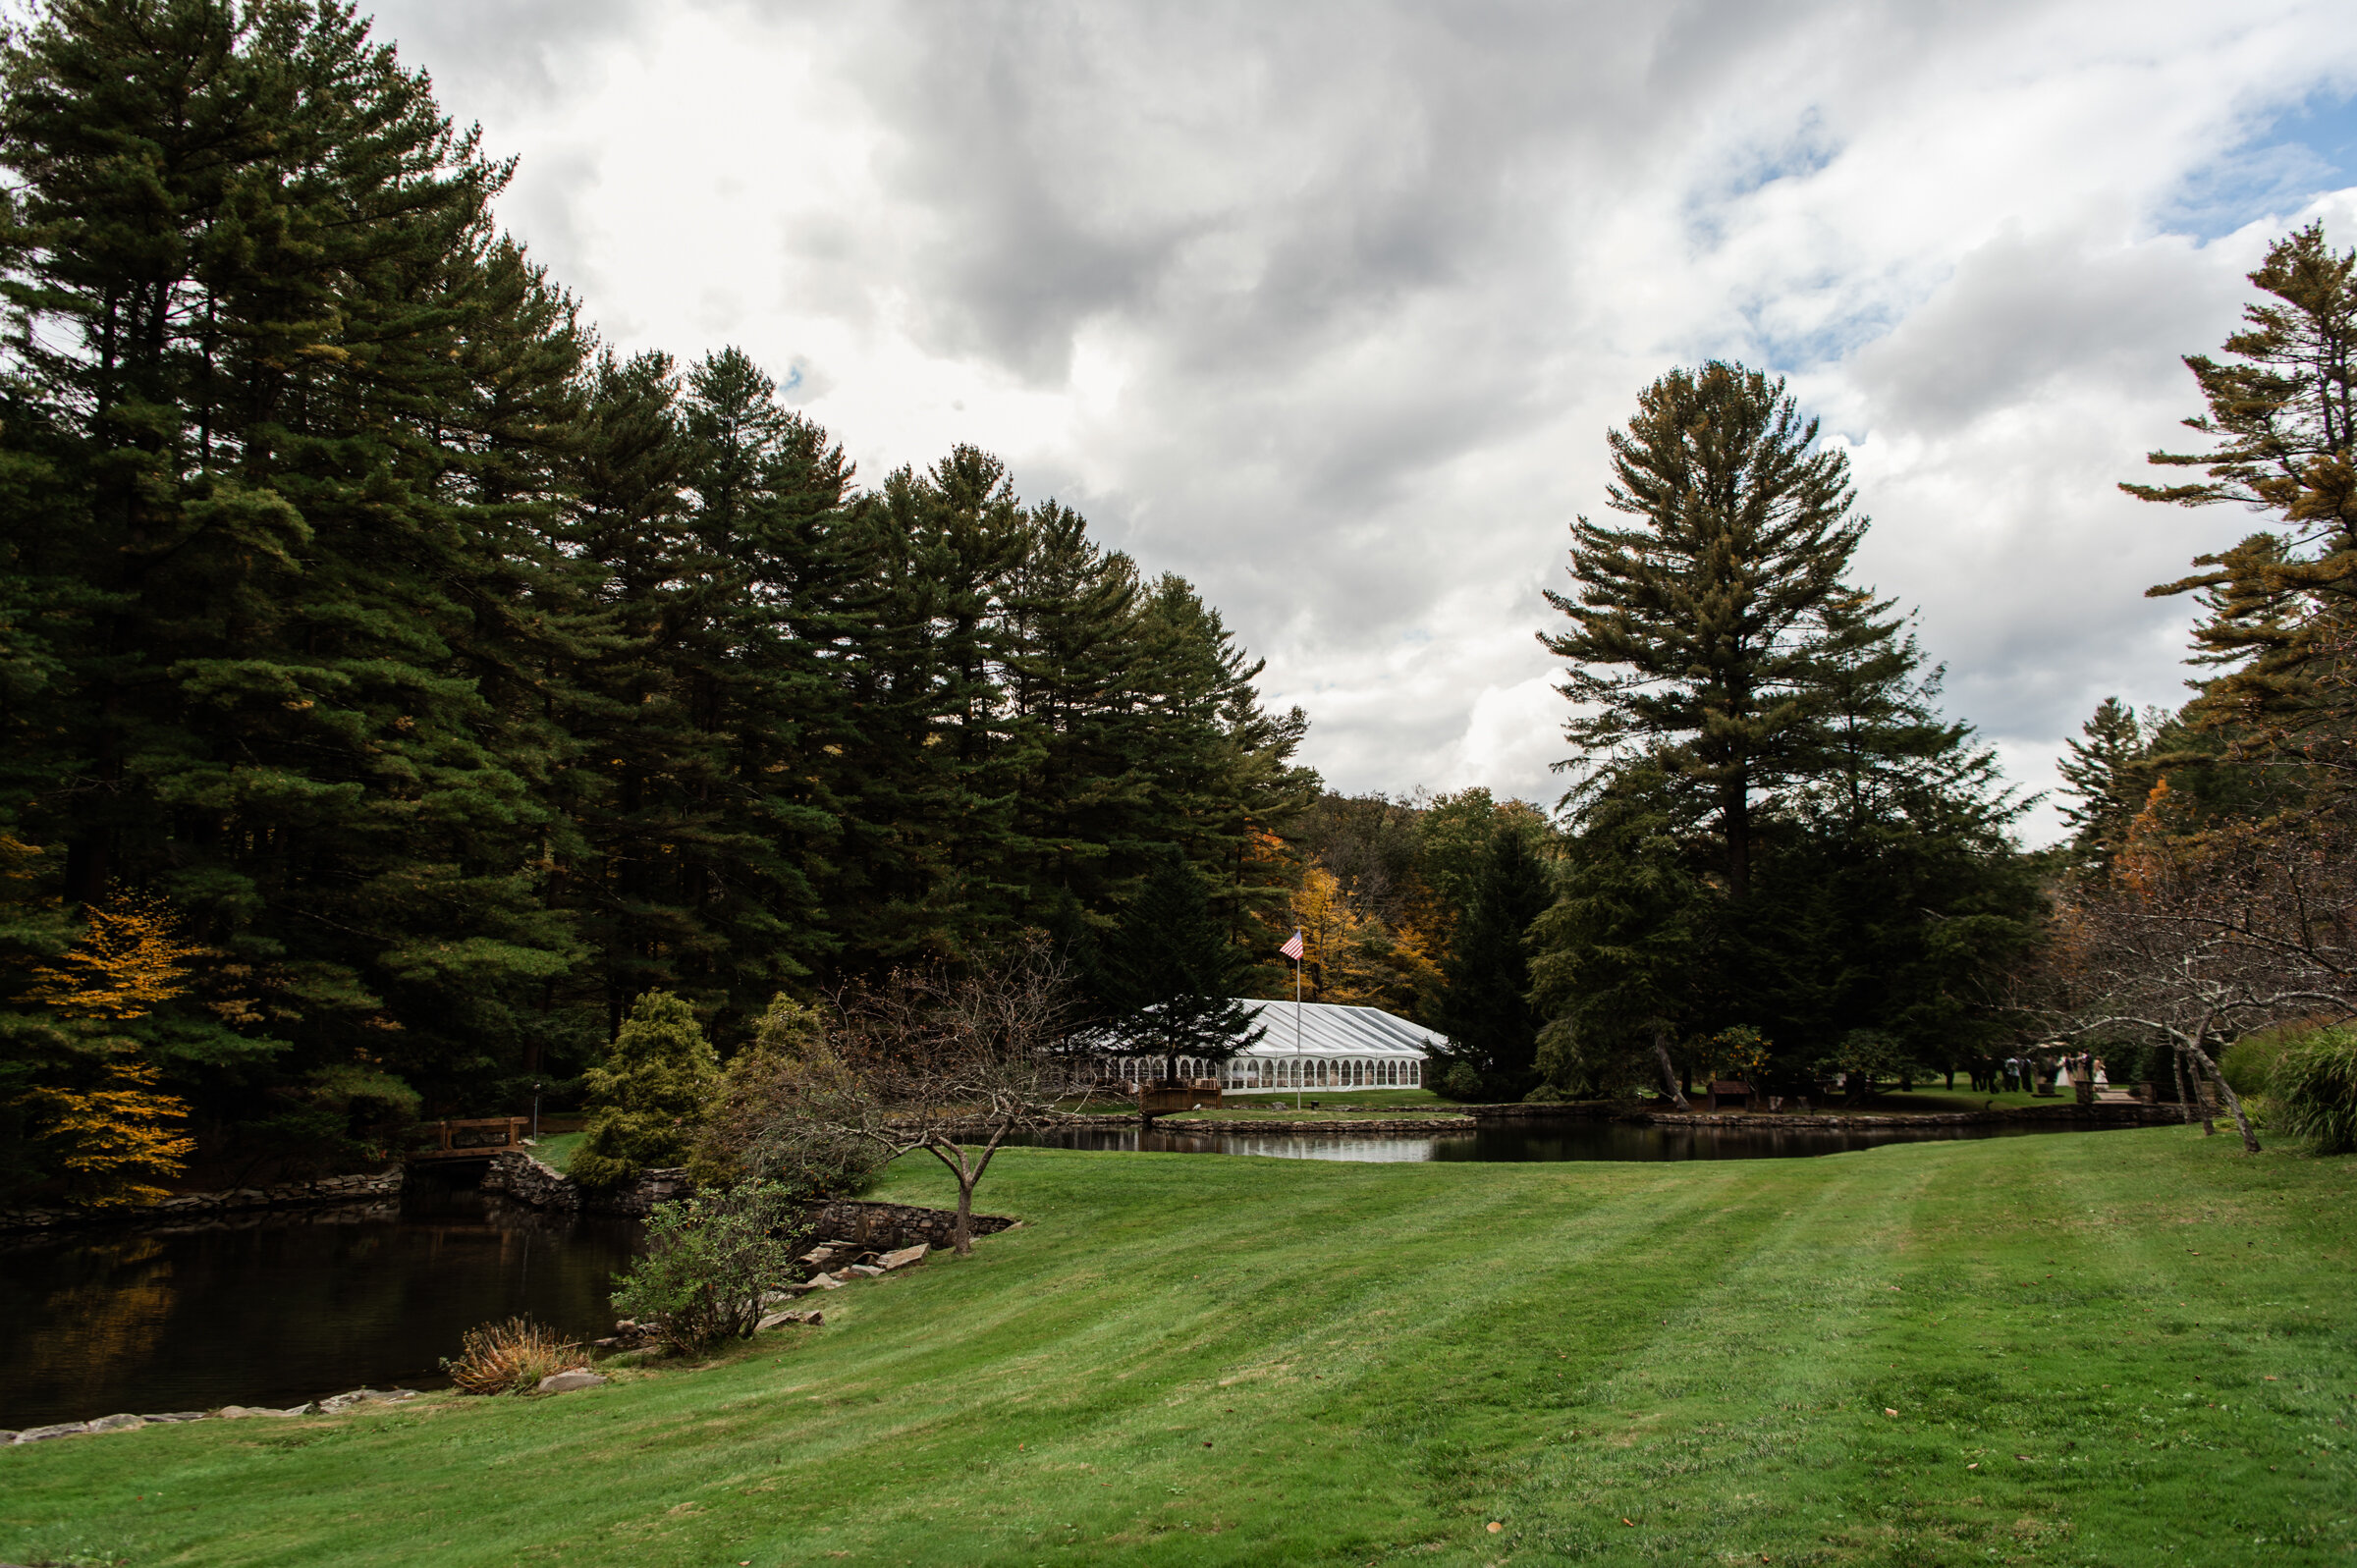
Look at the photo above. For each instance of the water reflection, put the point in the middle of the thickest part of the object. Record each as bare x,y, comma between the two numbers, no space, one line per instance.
1511,1141
275,1309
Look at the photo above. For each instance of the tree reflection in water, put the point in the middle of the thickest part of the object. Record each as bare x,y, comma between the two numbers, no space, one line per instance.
273,1309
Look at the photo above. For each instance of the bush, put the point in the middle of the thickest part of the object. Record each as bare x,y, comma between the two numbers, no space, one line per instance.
511,1357
757,1126
709,1260
2312,1090
1460,1082
2250,1064
646,1102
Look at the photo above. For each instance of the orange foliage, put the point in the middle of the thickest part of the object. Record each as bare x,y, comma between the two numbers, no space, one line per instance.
1355,959
126,963
116,1134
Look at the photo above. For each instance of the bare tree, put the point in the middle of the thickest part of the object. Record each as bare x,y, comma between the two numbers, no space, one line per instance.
2200,940
952,1064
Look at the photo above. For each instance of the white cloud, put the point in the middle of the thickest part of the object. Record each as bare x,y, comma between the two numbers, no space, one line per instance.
1329,306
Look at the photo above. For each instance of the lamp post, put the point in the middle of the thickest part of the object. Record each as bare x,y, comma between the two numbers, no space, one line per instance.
536,1113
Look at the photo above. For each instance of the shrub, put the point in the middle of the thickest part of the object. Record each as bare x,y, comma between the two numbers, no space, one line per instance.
646,1101
758,1123
2312,1088
1460,1082
709,1258
2250,1064
511,1357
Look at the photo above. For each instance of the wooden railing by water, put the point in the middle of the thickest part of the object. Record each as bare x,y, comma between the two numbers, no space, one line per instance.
479,1139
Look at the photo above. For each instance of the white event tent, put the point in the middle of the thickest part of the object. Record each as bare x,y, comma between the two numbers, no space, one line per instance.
1311,1044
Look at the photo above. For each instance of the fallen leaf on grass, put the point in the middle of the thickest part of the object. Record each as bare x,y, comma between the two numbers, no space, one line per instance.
1888,1411
1495,1527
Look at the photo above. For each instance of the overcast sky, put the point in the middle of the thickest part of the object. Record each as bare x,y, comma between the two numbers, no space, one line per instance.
1328,307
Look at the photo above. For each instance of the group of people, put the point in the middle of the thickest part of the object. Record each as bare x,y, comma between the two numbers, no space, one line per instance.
2028,1074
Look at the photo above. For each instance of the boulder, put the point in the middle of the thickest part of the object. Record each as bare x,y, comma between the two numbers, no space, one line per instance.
364,1396
780,1319
565,1382
865,1271
903,1257
117,1422
240,1412
7,1435
816,1282
64,1428
165,1417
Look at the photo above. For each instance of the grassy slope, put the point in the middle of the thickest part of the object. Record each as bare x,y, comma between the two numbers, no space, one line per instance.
1216,1360
555,1149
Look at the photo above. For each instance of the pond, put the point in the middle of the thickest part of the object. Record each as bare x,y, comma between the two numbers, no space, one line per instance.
276,1309
1551,1139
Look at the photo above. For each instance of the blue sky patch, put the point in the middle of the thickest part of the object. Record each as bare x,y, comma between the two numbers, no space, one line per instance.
2302,151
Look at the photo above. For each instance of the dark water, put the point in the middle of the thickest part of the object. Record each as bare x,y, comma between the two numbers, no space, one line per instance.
275,1310
1528,1140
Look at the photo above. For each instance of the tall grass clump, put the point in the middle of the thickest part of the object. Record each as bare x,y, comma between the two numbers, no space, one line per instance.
2314,1089
511,1357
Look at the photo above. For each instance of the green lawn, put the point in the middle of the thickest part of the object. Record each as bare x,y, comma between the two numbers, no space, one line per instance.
555,1151
2117,1347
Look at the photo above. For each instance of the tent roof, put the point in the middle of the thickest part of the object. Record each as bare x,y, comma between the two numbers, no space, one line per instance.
1329,1029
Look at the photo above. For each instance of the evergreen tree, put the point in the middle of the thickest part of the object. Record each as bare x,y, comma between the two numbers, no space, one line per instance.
646,1102
249,255
1620,962
2105,781
1170,979
1485,1006
1774,808
2281,606
459,686
1699,633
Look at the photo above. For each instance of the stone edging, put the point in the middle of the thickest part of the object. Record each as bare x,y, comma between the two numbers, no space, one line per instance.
128,1423
196,1204
2111,1115
1433,1125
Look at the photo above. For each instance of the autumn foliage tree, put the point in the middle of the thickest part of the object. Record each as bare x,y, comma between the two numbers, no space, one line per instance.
92,1107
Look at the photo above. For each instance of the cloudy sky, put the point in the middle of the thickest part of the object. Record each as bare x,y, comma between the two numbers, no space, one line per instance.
1327,307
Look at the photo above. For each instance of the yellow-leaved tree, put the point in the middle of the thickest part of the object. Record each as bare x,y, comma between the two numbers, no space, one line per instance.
106,1124
1358,959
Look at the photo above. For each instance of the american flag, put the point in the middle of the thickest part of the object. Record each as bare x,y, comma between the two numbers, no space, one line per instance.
1292,948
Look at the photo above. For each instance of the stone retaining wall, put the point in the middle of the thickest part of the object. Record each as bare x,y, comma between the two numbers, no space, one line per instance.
357,1188
882,1226
523,1177
1358,1124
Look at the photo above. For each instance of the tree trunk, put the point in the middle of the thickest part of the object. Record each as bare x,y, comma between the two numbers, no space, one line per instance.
2243,1122
1660,1054
2176,1061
